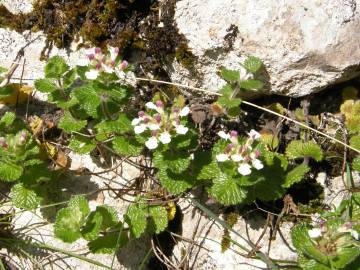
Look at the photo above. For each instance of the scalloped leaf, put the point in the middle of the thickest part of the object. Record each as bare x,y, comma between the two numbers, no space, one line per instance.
7,119
252,64
127,146
10,172
109,243
88,99
296,175
175,183
159,219
176,162
252,84
300,149
24,197
230,75
109,216
70,124
45,85
92,226
81,144
136,217
121,125
55,67
355,142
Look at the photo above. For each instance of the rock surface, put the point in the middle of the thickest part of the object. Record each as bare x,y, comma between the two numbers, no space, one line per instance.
305,45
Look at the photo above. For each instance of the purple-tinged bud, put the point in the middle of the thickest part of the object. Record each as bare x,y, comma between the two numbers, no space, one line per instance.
124,64
348,225
146,119
159,104
157,118
257,153
23,137
103,60
91,56
233,133
3,143
141,113
229,147
113,63
176,109
97,50
247,158
98,66
154,133
117,50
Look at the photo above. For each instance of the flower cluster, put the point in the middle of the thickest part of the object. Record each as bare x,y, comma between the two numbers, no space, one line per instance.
161,123
18,140
242,154
347,227
107,63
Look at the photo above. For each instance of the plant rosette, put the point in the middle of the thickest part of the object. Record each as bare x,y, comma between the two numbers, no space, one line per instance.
98,62
160,124
244,155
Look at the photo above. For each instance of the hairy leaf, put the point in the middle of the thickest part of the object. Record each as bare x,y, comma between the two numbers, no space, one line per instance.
296,175
299,149
127,146
121,125
159,219
252,64
136,218
45,85
252,84
24,197
69,123
109,243
175,183
176,162
88,99
10,172
230,75
81,144
92,226
7,119
55,67
355,142
109,216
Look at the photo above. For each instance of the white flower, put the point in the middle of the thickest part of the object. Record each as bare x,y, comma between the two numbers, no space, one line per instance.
314,233
254,134
180,129
244,75
257,164
113,53
153,126
120,73
222,157
107,68
165,138
135,121
237,157
92,74
151,105
224,135
139,129
184,111
151,143
354,234
83,62
244,169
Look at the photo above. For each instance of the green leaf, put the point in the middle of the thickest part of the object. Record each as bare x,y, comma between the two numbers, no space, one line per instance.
355,141
10,172
69,78
226,91
121,125
92,226
88,99
252,84
6,91
127,146
175,183
109,216
230,75
159,220
225,102
345,255
81,144
296,175
45,85
70,124
177,162
226,190
7,119
69,220
23,197
299,149
109,243
252,64
356,164
303,243
55,67
136,218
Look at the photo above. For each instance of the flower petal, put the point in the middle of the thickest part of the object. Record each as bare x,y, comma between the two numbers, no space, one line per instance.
151,105
237,158
257,164
222,157
224,135
180,129
314,233
254,134
244,169
151,143
135,121
92,74
165,138
153,126
184,111
139,129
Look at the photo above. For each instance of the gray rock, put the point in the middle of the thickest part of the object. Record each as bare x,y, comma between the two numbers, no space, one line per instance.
305,45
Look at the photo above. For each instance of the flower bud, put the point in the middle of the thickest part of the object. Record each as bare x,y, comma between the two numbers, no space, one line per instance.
91,56
159,104
141,113
97,50
233,133
98,66
124,64
157,118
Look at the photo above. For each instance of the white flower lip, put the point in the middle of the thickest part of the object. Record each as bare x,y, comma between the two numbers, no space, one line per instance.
244,169
153,126
151,105
165,138
237,158
92,74
107,69
139,129
180,129
83,62
254,134
257,164
224,135
354,234
151,143
314,233
135,121
184,111
222,157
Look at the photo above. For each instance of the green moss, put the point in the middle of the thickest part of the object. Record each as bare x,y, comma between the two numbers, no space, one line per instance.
185,56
